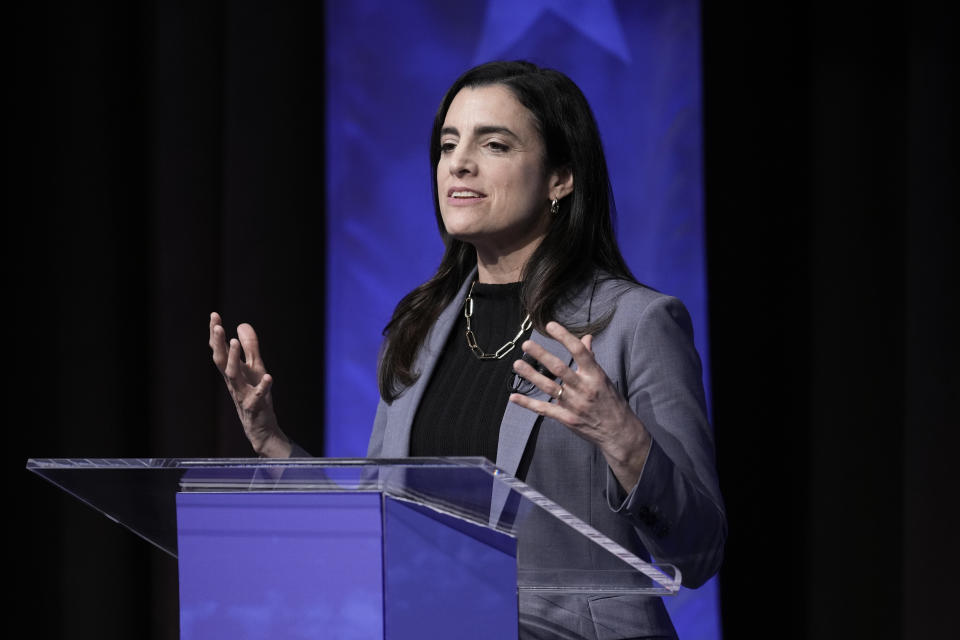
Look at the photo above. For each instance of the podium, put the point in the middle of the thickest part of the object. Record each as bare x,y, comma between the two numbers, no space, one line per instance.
354,548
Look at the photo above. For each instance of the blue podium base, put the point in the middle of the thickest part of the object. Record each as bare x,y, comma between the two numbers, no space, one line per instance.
339,565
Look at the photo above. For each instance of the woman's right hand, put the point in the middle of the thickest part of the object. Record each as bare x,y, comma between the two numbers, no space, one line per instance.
249,385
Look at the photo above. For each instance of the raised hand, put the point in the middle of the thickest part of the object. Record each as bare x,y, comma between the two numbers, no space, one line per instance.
249,385
586,401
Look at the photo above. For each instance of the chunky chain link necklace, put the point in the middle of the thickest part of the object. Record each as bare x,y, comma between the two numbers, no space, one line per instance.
472,338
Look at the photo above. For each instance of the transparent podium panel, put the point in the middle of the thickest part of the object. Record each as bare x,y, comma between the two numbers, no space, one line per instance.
556,551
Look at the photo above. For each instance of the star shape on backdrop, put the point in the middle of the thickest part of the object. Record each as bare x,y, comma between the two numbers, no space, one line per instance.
507,20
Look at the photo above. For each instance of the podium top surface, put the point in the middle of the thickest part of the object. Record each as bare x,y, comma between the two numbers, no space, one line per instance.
140,494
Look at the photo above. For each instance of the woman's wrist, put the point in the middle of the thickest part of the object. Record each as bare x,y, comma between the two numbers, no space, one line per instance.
628,456
275,445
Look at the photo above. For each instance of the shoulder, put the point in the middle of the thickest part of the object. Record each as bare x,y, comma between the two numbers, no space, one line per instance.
632,302
636,316
647,343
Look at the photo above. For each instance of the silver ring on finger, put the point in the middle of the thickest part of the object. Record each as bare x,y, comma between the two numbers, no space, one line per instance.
559,393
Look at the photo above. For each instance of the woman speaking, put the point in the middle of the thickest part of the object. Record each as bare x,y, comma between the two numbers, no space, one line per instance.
605,414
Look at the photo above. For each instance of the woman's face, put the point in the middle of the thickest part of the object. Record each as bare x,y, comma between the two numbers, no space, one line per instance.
493,187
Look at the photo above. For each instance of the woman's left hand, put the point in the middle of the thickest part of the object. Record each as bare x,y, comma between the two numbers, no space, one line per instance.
587,402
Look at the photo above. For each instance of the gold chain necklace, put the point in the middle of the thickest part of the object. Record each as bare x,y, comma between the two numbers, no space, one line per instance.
472,338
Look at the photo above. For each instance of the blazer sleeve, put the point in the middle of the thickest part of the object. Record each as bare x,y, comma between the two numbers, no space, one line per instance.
676,506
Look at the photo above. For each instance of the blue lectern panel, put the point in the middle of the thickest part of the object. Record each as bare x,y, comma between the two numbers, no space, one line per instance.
446,578
263,565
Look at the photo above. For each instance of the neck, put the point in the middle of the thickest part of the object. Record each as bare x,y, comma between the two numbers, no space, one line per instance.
500,268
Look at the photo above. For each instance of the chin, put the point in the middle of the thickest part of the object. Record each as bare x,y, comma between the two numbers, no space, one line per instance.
458,228
462,236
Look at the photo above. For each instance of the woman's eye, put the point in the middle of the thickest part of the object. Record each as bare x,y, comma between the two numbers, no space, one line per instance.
447,147
497,146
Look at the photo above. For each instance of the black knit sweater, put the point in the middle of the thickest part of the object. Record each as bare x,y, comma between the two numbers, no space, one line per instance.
461,409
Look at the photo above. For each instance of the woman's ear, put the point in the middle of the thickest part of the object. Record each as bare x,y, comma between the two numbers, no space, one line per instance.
561,183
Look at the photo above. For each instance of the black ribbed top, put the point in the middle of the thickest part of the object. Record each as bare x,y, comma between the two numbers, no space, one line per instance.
463,405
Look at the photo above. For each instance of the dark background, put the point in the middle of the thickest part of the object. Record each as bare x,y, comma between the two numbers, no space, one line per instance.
166,159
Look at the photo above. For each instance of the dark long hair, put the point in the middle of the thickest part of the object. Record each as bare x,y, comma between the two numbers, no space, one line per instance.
580,238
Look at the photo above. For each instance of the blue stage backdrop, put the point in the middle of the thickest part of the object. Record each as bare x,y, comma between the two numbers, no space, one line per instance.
388,64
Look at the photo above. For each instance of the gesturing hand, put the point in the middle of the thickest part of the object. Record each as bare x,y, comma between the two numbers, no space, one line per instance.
587,402
249,385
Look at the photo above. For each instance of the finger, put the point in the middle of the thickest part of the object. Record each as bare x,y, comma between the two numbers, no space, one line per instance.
263,388
232,369
553,364
250,344
218,342
542,382
587,341
546,409
214,323
581,354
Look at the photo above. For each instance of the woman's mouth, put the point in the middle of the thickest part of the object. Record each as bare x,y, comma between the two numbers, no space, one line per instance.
464,194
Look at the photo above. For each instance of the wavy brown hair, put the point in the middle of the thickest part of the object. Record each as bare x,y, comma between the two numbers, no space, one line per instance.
579,241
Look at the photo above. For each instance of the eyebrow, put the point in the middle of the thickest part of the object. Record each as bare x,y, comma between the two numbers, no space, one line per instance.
481,130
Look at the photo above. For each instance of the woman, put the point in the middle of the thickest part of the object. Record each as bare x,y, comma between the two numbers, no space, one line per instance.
612,425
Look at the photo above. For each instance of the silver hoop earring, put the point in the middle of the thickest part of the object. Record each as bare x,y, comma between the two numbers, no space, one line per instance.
554,206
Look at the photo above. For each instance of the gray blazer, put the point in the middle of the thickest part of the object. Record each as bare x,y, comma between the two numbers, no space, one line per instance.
674,514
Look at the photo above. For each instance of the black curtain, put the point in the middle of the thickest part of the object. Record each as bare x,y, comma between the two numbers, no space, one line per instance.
831,236
167,159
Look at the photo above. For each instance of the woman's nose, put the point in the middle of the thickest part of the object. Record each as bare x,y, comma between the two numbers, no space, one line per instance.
462,162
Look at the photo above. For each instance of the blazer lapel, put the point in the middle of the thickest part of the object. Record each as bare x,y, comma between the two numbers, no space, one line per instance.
396,438
515,430
518,422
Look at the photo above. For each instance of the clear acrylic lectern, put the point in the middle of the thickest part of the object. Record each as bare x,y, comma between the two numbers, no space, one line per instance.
354,548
